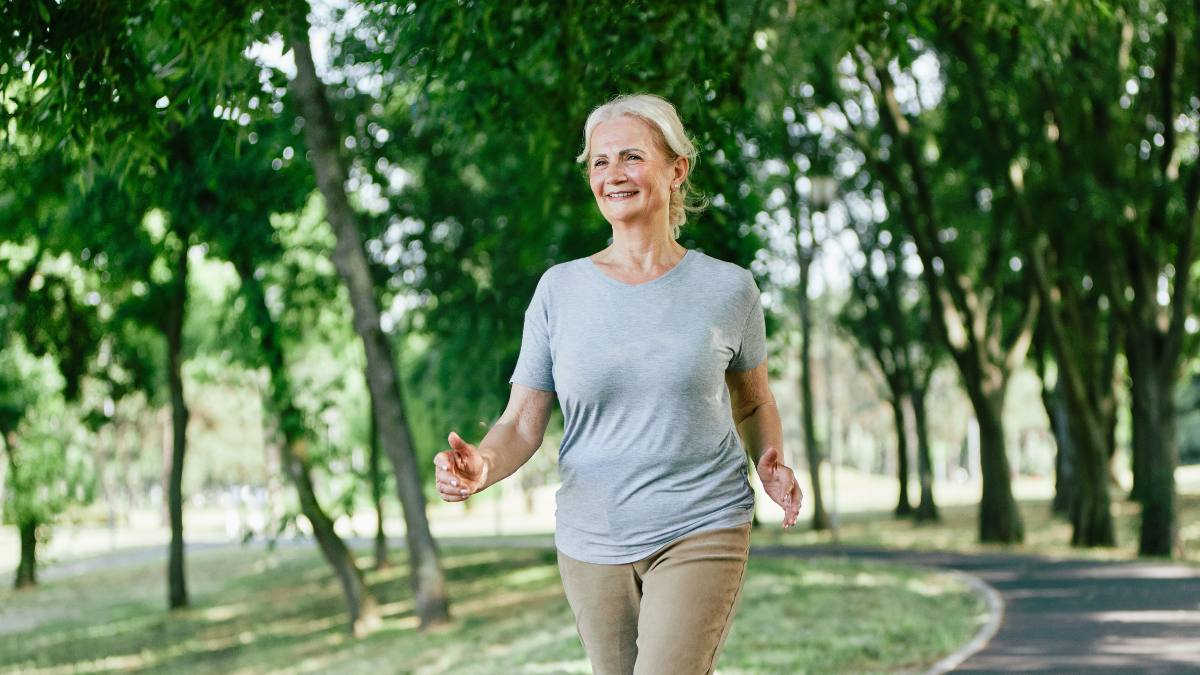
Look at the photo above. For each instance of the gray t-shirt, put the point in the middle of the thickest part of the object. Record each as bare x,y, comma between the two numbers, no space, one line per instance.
649,451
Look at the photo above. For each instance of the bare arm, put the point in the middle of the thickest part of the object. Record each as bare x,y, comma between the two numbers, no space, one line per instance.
754,411
518,433
465,469
757,419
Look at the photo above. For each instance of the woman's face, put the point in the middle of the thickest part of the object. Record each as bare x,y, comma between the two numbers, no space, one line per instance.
629,174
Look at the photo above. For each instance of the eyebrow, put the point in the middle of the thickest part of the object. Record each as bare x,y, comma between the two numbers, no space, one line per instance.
626,151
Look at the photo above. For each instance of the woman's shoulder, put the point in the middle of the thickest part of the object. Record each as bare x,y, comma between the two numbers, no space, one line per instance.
560,271
558,274
723,271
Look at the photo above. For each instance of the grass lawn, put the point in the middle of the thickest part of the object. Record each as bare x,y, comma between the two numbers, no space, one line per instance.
257,611
1044,533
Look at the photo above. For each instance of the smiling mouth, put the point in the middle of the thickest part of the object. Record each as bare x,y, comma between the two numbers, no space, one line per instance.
621,195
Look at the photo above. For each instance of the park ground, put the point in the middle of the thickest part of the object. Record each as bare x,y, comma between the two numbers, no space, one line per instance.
262,609
257,610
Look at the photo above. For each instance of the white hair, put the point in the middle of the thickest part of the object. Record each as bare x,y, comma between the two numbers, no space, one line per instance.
661,116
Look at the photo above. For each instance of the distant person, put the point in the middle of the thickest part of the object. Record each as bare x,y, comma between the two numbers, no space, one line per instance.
645,343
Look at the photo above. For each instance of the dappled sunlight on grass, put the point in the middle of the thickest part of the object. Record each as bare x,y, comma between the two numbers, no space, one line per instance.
501,600
930,586
394,609
1045,534
833,615
258,611
104,665
464,560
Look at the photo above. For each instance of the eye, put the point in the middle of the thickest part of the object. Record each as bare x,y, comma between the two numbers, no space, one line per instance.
599,162
633,157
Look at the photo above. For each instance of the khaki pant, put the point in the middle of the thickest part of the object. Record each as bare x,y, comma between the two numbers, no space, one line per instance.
664,615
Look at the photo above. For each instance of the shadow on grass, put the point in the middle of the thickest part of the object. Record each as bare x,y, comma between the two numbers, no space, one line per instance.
281,611
1045,533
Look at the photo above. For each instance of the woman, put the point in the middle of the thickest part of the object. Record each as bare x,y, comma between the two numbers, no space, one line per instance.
648,346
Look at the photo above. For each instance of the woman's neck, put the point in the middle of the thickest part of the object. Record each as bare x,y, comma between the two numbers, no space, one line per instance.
639,249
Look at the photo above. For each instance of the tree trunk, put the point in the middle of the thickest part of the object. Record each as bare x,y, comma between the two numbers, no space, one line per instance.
429,591
1091,514
124,478
820,520
26,575
364,611
163,426
999,519
1060,424
105,456
927,510
1154,427
903,506
177,595
1078,371
1138,357
381,549
27,568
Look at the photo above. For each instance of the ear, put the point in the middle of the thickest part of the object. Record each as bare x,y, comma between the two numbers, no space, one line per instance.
680,170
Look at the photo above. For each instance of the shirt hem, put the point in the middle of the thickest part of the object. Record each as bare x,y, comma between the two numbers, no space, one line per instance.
733,517
542,386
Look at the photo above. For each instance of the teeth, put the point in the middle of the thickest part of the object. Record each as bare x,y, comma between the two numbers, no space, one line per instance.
619,194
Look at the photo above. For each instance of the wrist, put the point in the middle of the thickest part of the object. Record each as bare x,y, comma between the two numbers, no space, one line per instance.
756,457
485,472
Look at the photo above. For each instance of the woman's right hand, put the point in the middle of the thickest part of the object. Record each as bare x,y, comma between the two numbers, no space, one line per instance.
460,470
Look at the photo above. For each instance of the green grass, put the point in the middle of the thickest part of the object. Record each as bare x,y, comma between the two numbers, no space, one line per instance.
256,611
1045,534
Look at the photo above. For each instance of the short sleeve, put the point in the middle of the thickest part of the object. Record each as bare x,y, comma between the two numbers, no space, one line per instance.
535,364
753,347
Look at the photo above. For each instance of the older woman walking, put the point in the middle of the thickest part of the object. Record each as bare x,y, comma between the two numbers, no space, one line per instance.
657,355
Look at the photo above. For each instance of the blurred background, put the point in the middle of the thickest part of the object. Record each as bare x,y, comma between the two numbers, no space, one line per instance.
257,259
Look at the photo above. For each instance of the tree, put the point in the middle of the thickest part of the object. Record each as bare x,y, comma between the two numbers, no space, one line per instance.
364,612
66,61
351,262
888,314
984,312
48,336
1132,203
37,435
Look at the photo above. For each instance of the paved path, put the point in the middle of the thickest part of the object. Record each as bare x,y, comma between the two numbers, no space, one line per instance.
1069,616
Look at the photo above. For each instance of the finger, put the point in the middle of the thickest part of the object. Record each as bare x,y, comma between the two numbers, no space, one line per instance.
797,495
452,486
452,493
442,460
793,491
457,442
447,477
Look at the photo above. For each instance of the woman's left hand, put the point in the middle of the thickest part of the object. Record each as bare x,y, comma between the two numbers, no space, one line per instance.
781,485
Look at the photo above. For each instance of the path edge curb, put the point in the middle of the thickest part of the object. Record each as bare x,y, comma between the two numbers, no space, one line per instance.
985,633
